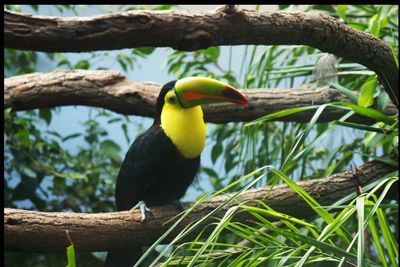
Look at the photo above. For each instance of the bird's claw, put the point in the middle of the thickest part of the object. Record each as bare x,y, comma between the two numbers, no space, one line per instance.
144,210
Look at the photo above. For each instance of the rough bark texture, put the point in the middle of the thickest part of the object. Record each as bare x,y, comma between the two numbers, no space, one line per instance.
191,31
46,231
111,90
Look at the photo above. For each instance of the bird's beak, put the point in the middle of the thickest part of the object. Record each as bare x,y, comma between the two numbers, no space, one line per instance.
195,91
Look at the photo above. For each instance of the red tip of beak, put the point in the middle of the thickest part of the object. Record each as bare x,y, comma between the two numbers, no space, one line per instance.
234,96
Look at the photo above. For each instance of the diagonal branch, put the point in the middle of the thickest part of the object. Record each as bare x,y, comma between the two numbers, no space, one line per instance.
46,231
191,31
111,90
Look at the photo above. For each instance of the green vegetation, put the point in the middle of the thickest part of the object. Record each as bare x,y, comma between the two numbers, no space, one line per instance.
359,230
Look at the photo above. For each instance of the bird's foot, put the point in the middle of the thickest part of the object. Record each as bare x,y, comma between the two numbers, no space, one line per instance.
144,210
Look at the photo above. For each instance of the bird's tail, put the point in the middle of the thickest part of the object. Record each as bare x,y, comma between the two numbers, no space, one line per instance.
122,258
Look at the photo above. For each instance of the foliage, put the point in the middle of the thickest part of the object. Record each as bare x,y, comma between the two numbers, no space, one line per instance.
299,151
276,239
41,174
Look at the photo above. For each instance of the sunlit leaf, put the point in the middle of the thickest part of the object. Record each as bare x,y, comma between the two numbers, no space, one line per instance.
366,97
213,52
374,25
341,10
71,256
368,112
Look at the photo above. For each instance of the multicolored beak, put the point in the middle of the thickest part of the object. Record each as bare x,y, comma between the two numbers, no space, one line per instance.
195,91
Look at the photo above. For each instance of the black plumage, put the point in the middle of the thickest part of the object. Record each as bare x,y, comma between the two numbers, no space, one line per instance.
153,171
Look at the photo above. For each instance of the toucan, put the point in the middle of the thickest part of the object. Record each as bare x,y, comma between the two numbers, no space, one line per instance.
162,162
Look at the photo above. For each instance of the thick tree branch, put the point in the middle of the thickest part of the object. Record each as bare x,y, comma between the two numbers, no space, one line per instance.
190,31
111,90
46,231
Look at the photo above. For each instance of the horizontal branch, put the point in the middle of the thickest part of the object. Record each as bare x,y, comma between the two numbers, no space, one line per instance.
111,90
191,31
46,231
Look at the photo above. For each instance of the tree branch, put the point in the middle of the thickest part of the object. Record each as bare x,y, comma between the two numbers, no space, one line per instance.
111,90
191,31
46,231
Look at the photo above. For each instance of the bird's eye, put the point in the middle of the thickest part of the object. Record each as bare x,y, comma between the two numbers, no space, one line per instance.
172,99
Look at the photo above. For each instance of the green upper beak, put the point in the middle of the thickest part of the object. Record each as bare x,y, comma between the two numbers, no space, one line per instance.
195,91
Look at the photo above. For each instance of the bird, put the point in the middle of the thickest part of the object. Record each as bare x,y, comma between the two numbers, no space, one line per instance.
162,162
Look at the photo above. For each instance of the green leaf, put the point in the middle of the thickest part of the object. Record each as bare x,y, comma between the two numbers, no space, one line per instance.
368,112
279,114
23,137
74,176
54,133
112,120
28,172
386,159
356,26
375,235
361,240
215,152
124,127
164,7
350,95
64,61
362,127
374,25
383,100
210,172
212,52
388,237
122,63
277,215
341,10
35,7
109,148
281,7
143,51
71,256
146,50
71,136
59,182
366,97
327,8
82,64
45,114
230,164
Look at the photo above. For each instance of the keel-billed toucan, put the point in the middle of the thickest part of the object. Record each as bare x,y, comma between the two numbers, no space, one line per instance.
162,163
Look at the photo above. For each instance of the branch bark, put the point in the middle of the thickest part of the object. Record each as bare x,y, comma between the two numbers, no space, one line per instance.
197,30
33,231
111,90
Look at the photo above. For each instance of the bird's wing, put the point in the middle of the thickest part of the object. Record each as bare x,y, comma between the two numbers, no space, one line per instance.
138,169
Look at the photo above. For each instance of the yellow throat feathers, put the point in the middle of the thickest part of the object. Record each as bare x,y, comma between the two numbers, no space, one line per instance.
185,127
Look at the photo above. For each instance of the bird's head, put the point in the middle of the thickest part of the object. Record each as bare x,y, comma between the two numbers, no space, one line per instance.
195,91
